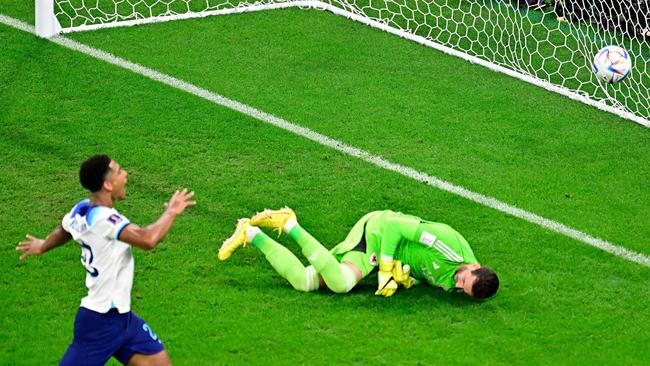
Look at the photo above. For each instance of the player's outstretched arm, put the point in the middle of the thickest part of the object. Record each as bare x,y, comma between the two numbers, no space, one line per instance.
36,246
148,237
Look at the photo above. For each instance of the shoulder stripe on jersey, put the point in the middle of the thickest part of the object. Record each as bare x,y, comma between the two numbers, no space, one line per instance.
92,214
80,208
119,231
451,252
447,252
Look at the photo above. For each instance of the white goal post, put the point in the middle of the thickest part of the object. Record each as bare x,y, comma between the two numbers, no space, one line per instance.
46,23
552,47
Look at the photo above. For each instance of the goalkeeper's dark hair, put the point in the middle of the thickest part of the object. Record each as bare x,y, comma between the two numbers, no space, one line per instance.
486,283
93,172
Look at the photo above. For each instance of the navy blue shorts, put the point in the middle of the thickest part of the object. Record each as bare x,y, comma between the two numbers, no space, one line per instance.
99,336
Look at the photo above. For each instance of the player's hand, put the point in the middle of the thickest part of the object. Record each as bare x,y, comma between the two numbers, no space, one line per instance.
179,201
387,285
31,246
402,275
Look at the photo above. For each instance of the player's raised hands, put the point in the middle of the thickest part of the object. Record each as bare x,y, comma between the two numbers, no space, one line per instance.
179,201
31,246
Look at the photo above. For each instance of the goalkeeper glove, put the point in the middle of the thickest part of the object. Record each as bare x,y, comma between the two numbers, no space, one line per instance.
402,275
387,285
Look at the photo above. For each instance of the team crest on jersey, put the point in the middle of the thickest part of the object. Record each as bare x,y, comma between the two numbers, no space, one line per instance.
435,265
115,218
373,259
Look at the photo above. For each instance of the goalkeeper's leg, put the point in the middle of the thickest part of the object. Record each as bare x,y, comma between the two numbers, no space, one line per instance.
338,277
284,262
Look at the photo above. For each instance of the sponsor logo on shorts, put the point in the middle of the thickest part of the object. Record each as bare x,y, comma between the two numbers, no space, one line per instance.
373,259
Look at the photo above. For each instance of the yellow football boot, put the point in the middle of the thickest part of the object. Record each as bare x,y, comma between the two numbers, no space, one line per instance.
236,240
274,219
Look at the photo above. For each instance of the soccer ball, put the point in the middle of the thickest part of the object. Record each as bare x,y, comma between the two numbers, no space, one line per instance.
612,64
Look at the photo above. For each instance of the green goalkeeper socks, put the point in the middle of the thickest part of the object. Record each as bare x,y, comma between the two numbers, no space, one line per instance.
338,278
286,264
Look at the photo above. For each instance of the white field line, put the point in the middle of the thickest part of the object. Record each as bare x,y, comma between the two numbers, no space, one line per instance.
376,160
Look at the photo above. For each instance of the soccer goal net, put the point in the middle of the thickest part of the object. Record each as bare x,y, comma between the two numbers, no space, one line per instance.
549,43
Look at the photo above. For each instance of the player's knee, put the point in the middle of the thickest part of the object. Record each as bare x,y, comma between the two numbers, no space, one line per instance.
300,285
305,281
344,282
339,288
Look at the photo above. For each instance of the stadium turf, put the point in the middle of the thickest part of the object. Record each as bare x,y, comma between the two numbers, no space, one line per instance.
561,301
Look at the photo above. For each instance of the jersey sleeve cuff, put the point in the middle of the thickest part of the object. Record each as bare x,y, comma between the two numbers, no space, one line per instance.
119,231
385,258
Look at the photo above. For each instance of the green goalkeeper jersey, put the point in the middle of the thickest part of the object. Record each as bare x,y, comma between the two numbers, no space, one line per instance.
433,250
437,259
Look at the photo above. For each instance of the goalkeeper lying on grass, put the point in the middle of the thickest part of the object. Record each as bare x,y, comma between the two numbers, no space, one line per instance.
430,251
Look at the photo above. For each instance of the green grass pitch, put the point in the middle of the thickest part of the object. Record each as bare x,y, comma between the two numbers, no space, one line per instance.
561,301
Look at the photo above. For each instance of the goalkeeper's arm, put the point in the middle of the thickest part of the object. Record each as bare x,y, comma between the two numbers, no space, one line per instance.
391,274
395,229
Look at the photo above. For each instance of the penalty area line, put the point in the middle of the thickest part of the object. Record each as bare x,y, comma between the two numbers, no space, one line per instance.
321,139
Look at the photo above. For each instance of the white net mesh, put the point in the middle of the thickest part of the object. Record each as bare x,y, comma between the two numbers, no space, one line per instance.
74,14
555,44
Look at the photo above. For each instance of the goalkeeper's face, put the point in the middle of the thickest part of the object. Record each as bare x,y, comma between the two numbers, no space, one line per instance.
465,278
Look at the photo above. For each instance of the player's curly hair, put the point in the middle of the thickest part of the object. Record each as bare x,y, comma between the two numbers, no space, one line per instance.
486,283
93,172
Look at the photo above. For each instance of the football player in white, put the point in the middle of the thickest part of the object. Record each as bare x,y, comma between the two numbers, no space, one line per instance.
105,326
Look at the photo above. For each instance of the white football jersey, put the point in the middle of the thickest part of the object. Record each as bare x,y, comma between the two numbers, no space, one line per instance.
108,261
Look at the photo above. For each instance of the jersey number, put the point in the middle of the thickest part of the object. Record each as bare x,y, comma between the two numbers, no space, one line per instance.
87,259
153,335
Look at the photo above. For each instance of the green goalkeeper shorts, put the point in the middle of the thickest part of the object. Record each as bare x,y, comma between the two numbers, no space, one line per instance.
365,262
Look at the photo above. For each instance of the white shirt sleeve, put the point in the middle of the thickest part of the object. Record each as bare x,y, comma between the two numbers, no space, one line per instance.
116,222
65,223
108,223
